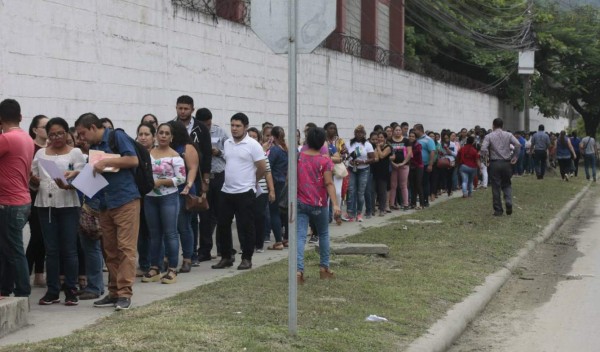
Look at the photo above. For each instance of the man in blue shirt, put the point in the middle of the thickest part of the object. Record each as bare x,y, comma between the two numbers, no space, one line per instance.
428,153
119,204
540,142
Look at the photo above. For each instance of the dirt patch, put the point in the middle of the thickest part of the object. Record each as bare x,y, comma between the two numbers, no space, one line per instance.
530,286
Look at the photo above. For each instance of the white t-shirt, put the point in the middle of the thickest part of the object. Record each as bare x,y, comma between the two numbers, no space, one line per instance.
240,171
362,149
49,194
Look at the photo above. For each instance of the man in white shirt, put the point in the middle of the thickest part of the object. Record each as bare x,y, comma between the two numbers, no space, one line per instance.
244,165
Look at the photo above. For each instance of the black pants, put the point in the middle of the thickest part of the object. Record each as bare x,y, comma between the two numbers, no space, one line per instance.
576,162
539,161
500,173
415,181
241,206
208,218
564,166
36,252
260,208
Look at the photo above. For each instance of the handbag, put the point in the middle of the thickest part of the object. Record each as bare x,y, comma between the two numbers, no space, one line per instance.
444,163
340,170
283,199
195,203
89,224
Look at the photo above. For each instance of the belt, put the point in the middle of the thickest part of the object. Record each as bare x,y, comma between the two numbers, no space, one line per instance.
492,161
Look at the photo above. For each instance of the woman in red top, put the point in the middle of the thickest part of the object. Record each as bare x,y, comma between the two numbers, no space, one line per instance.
468,158
415,175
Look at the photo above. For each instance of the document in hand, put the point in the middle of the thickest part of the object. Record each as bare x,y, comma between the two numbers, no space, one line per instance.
97,155
88,183
52,169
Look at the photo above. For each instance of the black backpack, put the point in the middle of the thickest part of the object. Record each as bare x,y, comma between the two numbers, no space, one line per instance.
143,172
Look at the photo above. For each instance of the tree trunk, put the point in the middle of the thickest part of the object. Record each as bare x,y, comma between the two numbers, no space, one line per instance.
591,123
590,120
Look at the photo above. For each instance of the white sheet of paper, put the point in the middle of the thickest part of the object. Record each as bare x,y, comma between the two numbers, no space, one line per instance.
52,169
87,183
259,190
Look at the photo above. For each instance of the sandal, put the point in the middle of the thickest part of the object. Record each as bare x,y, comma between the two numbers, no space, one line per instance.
170,277
278,246
153,275
285,243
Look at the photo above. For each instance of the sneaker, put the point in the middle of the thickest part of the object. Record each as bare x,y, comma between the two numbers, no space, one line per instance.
71,297
123,303
49,299
313,239
367,216
359,218
107,301
195,263
348,218
85,295
260,250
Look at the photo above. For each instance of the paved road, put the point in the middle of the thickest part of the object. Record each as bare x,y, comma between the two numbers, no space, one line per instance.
57,320
570,320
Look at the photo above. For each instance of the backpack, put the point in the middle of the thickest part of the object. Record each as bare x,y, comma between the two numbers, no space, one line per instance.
143,172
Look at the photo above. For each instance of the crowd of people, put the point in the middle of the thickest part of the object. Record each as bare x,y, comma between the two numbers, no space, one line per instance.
133,232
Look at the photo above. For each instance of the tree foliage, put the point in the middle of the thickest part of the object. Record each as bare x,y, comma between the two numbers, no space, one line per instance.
481,39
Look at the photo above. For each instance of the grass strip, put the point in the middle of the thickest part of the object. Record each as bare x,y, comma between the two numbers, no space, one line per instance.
431,266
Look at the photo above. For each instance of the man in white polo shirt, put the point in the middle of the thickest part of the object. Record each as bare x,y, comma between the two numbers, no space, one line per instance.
244,165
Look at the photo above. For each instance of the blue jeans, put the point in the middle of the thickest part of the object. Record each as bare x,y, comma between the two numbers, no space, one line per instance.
162,225
467,174
589,161
356,191
14,270
94,261
184,227
318,215
59,229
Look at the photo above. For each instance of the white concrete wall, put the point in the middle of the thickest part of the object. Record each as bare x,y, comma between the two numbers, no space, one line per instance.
122,59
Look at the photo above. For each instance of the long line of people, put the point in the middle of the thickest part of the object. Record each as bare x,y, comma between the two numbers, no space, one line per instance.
242,175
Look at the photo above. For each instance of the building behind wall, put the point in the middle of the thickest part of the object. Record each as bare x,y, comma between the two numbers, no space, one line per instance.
122,59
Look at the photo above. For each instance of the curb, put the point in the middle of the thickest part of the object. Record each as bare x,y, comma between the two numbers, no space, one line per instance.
448,329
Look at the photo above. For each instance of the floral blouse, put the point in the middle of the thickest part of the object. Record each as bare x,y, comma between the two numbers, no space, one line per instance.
171,167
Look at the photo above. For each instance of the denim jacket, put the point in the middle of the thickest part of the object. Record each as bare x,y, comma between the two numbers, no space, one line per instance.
121,188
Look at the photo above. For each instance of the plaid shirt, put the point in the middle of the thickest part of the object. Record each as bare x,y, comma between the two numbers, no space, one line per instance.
496,146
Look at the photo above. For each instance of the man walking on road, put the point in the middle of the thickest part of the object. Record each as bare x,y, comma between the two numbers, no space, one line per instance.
497,147
588,148
540,142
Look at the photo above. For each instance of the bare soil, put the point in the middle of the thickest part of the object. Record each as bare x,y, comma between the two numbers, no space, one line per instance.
530,286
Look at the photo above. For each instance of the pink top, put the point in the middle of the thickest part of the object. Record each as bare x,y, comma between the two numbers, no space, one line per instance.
16,156
311,182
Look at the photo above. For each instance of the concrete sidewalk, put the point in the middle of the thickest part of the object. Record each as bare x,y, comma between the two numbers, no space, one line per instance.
56,320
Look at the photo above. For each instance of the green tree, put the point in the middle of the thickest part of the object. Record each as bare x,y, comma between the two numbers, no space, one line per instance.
568,62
